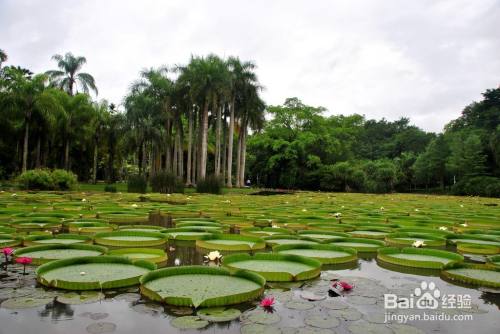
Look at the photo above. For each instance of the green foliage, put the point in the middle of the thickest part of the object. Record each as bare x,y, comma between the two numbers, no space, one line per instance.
166,183
137,184
478,186
110,188
210,185
44,179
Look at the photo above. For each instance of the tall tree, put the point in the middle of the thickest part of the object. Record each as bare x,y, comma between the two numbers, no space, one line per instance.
68,77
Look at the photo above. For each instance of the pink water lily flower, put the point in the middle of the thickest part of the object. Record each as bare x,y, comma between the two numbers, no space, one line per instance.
7,251
24,260
267,302
342,286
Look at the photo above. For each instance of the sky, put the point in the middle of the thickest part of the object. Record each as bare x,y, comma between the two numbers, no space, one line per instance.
425,60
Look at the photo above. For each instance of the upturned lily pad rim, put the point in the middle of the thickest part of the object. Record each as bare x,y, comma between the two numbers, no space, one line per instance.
229,260
493,261
253,231
360,249
38,261
352,253
31,240
16,241
393,239
385,254
111,284
236,298
161,256
101,239
258,242
451,276
471,248
468,236
176,233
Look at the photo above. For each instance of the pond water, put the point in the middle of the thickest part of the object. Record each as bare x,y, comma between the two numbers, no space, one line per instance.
359,311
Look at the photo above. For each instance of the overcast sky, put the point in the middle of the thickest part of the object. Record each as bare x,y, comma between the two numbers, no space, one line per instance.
421,59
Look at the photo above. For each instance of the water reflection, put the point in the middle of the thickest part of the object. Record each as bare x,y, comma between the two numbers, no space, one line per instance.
57,311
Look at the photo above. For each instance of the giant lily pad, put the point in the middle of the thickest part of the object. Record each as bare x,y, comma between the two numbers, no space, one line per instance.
201,286
189,322
157,256
219,314
322,236
130,239
362,245
408,238
186,233
288,240
231,242
493,261
418,257
326,254
7,240
46,253
63,239
276,267
92,272
472,274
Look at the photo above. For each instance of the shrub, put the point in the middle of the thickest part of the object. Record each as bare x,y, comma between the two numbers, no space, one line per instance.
45,179
137,184
63,180
110,188
166,183
480,185
210,184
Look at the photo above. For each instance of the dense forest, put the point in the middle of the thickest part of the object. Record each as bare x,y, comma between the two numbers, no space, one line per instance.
206,118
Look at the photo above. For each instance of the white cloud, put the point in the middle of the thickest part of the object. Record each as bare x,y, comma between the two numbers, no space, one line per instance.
425,60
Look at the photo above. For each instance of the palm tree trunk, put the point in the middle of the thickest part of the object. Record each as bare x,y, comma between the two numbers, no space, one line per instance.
180,152
66,155
238,157
38,152
168,162
25,146
94,165
176,154
243,156
190,148
230,144
224,148
204,142
217,138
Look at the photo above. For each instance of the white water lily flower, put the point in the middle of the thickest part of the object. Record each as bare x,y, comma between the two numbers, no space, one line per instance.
213,256
443,228
83,273
168,195
464,225
84,200
461,205
14,195
177,262
274,226
342,206
304,210
382,208
135,205
417,210
418,244
338,214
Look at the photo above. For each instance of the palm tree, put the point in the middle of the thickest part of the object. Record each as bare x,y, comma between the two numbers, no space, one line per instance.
28,97
3,57
242,74
69,77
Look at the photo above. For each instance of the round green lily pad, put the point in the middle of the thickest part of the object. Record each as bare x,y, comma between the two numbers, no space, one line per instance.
186,233
481,275
493,261
46,253
201,286
321,321
130,239
275,267
62,239
230,242
408,238
326,254
281,239
260,316
189,322
101,328
469,248
7,240
259,329
25,302
218,314
157,256
84,297
92,272
418,257
322,236
362,245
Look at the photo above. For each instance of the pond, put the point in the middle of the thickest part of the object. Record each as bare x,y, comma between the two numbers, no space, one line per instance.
124,311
